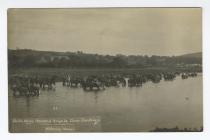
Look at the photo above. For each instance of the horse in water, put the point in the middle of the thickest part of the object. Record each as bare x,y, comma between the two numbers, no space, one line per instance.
121,81
184,75
26,91
24,87
47,82
75,81
92,83
67,80
33,90
169,76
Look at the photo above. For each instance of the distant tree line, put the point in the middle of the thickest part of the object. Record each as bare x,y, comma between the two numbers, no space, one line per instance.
32,58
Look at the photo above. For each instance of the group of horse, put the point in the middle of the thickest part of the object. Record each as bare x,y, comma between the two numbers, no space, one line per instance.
93,82
31,86
100,82
186,75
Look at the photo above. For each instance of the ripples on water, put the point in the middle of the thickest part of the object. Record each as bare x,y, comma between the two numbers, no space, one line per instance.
166,104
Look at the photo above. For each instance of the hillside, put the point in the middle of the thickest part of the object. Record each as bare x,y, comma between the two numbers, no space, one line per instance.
193,55
33,58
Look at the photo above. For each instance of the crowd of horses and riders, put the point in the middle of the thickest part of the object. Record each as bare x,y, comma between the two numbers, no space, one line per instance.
25,85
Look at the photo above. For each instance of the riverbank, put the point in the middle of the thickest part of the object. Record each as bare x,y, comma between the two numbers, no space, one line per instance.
60,72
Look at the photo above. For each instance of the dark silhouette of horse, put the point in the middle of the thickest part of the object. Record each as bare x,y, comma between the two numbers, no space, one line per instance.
184,75
92,83
47,82
169,76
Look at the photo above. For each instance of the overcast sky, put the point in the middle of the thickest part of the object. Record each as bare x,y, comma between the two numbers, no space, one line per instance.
137,31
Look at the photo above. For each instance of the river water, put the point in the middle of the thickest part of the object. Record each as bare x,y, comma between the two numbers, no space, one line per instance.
166,104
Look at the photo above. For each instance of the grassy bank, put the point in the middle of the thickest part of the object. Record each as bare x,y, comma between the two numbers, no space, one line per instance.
93,71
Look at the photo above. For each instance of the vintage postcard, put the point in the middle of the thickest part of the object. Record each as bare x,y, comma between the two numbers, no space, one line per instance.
105,70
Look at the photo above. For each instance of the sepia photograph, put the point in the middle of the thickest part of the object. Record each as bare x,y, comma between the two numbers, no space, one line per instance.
105,70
